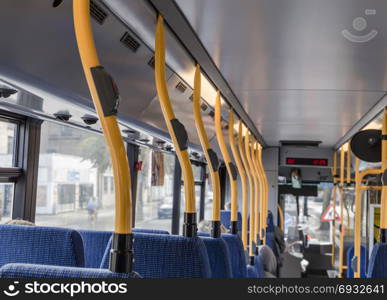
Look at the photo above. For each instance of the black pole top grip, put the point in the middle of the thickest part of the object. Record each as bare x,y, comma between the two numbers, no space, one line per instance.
214,160
180,133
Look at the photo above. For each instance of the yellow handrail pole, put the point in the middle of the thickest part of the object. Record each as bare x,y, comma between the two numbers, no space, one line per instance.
383,207
250,156
342,227
176,131
211,157
231,169
105,102
245,190
359,176
266,194
358,209
281,215
259,197
349,164
334,175
240,168
252,198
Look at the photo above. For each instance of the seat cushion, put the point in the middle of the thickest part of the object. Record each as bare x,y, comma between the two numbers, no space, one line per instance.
219,257
41,245
237,255
17,270
95,243
377,267
363,262
167,256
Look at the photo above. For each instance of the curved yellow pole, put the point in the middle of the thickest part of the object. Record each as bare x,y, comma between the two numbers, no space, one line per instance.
176,131
231,170
258,194
281,215
265,194
121,257
245,203
210,155
334,175
253,190
383,206
349,180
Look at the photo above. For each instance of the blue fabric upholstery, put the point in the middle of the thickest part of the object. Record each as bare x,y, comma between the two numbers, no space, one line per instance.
363,261
219,257
237,255
167,256
43,271
40,245
251,271
259,267
95,243
377,267
225,219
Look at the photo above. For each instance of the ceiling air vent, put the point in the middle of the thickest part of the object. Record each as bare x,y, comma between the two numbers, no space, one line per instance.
151,62
97,12
181,87
301,143
203,107
130,42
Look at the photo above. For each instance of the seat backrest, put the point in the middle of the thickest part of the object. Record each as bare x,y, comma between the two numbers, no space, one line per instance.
95,243
40,245
167,256
237,254
251,271
219,257
17,270
259,267
225,219
377,267
363,261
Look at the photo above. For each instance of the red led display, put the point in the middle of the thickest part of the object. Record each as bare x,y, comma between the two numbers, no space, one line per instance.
321,162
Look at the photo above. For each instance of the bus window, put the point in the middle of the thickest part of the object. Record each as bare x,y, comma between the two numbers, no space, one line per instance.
75,187
154,200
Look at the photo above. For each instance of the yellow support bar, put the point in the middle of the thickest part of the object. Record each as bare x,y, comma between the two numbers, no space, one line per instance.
259,194
281,215
383,208
334,173
342,231
349,180
252,235
231,169
245,203
358,210
242,174
176,131
265,194
121,257
210,155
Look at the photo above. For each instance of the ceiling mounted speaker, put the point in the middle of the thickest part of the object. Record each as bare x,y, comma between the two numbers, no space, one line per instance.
367,145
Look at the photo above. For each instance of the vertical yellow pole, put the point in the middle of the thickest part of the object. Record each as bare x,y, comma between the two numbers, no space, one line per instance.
342,227
358,210
211,157
231,169
258,193
241,171
121,255
252,197
349,164
334,175
176,131
245,203
265,195
383,208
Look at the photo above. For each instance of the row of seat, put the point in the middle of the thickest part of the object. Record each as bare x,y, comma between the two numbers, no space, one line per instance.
28,251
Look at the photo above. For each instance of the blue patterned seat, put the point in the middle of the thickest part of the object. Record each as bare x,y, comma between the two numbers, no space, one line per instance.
225,219
377,267
40,245
363,262
237,255
95,243
219,257
251,271
167,256
17,270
